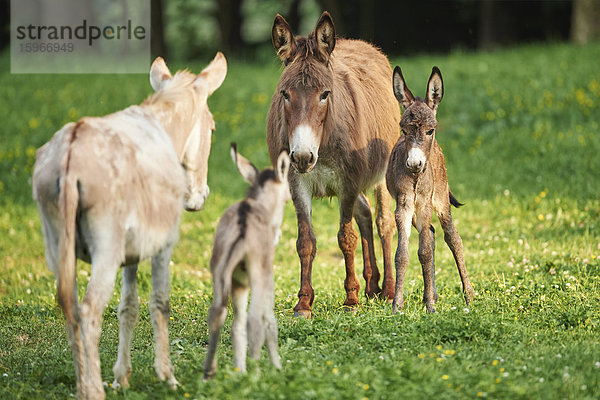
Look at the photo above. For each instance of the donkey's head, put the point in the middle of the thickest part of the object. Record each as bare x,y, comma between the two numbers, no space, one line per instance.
418,121
181,102
269,185
304,90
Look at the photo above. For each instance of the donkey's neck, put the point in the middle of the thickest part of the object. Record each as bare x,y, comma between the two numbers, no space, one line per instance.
272,208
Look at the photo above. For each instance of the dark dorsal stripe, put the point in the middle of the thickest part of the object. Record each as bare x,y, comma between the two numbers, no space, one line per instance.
262,178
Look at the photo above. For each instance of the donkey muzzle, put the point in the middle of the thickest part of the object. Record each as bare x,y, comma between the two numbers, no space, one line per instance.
415,162
194,200
303,161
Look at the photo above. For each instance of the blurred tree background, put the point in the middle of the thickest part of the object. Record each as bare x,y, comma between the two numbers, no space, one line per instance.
189,29
242,28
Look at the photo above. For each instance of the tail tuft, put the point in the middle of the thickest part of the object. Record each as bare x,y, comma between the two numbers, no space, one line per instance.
453,200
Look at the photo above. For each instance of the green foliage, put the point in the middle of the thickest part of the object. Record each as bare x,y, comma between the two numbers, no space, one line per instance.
518,128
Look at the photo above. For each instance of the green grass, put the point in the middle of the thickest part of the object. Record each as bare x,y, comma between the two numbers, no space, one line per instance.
519,131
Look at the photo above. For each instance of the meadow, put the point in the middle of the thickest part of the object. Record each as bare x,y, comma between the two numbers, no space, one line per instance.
519,132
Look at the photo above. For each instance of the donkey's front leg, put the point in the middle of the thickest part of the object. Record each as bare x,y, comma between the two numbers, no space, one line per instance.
128,315
427,257
159,314
306,245
262,324
362,214
348,240
404,213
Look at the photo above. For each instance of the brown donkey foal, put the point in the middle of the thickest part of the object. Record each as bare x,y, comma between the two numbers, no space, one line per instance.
242,259
416,178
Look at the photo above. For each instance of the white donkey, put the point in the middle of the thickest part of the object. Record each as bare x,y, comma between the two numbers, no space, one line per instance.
242,259
110,191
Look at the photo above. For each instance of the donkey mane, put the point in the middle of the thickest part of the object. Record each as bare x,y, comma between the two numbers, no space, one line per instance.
175,100
261,179
418,115
180,85
306,69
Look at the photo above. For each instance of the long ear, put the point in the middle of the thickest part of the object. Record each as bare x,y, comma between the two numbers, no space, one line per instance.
214,74
401,91
435,89
283,166
159,73
283,39
248,171
325,35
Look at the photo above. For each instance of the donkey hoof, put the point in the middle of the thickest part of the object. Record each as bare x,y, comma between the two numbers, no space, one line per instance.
373,292
306,314
431,309
469,295
116,385
173,383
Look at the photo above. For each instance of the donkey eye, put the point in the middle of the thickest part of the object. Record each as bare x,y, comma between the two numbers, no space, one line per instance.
430,132
285,95
324,95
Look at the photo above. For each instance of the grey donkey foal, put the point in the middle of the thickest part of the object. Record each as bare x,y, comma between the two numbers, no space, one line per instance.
416,178
242,259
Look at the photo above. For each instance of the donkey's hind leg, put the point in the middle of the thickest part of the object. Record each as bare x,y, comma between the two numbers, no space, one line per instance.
385,228
100,288
216,318
160,313
347,241
454,242
364,219
239,336
128,315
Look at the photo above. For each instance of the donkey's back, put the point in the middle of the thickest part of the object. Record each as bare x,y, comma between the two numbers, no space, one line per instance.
128,179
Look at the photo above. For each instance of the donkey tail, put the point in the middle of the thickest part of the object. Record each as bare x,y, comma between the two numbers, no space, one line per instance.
453,200
67,204
223,271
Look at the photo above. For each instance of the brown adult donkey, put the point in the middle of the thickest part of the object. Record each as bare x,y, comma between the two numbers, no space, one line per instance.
337,117
416,178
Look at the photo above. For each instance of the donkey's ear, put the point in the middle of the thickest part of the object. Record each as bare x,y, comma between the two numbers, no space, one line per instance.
248,171
159,73
435,89
214,73
325,35
401,91
283,39
283,166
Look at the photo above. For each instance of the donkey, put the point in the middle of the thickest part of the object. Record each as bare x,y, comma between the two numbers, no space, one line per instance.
416,178
338,119
110,191
242,259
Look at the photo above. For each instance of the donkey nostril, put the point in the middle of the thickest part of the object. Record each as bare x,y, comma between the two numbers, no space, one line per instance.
312,158
292,158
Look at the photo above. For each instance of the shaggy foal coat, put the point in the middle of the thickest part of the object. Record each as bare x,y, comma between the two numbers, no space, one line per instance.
416,178
242,259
